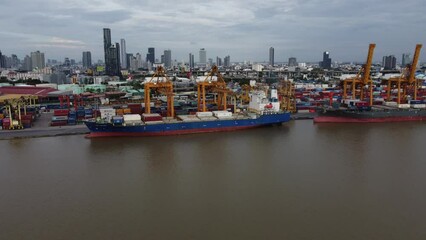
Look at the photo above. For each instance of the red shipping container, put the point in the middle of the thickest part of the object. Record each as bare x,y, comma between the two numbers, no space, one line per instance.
60,112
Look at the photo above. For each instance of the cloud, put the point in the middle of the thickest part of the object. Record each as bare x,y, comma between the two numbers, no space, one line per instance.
244,29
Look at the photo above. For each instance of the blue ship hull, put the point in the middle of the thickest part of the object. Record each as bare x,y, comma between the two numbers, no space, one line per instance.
98,129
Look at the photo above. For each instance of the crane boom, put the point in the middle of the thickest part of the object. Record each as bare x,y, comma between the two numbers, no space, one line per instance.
366,77
413,66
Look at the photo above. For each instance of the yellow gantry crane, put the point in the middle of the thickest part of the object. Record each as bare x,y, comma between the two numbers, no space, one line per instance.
161,83
407,81
217,86
362,79
287,94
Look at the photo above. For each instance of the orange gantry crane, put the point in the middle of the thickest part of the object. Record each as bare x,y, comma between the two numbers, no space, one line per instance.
162,84
407,81
217,85
362,79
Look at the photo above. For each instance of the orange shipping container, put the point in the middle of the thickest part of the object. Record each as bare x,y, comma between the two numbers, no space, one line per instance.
127,111
119,112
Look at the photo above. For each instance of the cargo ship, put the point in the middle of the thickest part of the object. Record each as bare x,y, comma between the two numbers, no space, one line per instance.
262,111
360,112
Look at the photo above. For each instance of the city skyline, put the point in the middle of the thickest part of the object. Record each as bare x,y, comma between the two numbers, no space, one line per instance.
295,29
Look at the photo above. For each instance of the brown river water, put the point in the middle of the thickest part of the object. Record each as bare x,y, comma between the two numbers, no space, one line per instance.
296,181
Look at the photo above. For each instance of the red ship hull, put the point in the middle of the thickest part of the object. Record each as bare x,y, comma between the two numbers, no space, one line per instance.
327,119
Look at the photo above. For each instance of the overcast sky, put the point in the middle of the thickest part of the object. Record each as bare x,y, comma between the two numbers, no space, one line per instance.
243,29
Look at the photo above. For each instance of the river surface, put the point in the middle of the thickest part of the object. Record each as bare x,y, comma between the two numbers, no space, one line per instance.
296,181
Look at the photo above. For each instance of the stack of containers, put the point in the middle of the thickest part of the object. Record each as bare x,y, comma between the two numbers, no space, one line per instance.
26,120
135,108
188,118
417,104
60,117
119,112
149,118
363,106
72,118
205,116
132,119
127,111
222,114
6,123
88,113
80,113
117,120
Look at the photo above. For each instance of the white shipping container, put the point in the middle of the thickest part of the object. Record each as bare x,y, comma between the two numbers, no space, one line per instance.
207,118
418,106
227,114
403,105
150,115
153,122
392,104
204,114
132,117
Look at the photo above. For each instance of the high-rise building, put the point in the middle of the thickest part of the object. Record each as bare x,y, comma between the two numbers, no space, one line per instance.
271,56
227,61
191,60
406,59
389,62
202,57
150,56
15,61
168,58
123,54
128,57
2,61
326,61
218,61
87,59
112,55
37,60
210,62
292,62
27,66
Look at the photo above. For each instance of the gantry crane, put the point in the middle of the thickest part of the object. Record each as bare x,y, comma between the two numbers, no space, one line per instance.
217,86
161,83
13,109
286,91
362,79
407,81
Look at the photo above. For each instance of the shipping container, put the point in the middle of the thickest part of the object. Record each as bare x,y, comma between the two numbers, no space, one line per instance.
60,112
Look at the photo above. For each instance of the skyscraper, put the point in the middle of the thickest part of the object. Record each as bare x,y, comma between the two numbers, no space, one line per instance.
27,66
112,55
150,56
202,57
227,61
191,60
326,60
168,58
87,59
128,57
37,60
15,61
271,56
389,62
292,62
406,59
123,54
2,61
218,61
